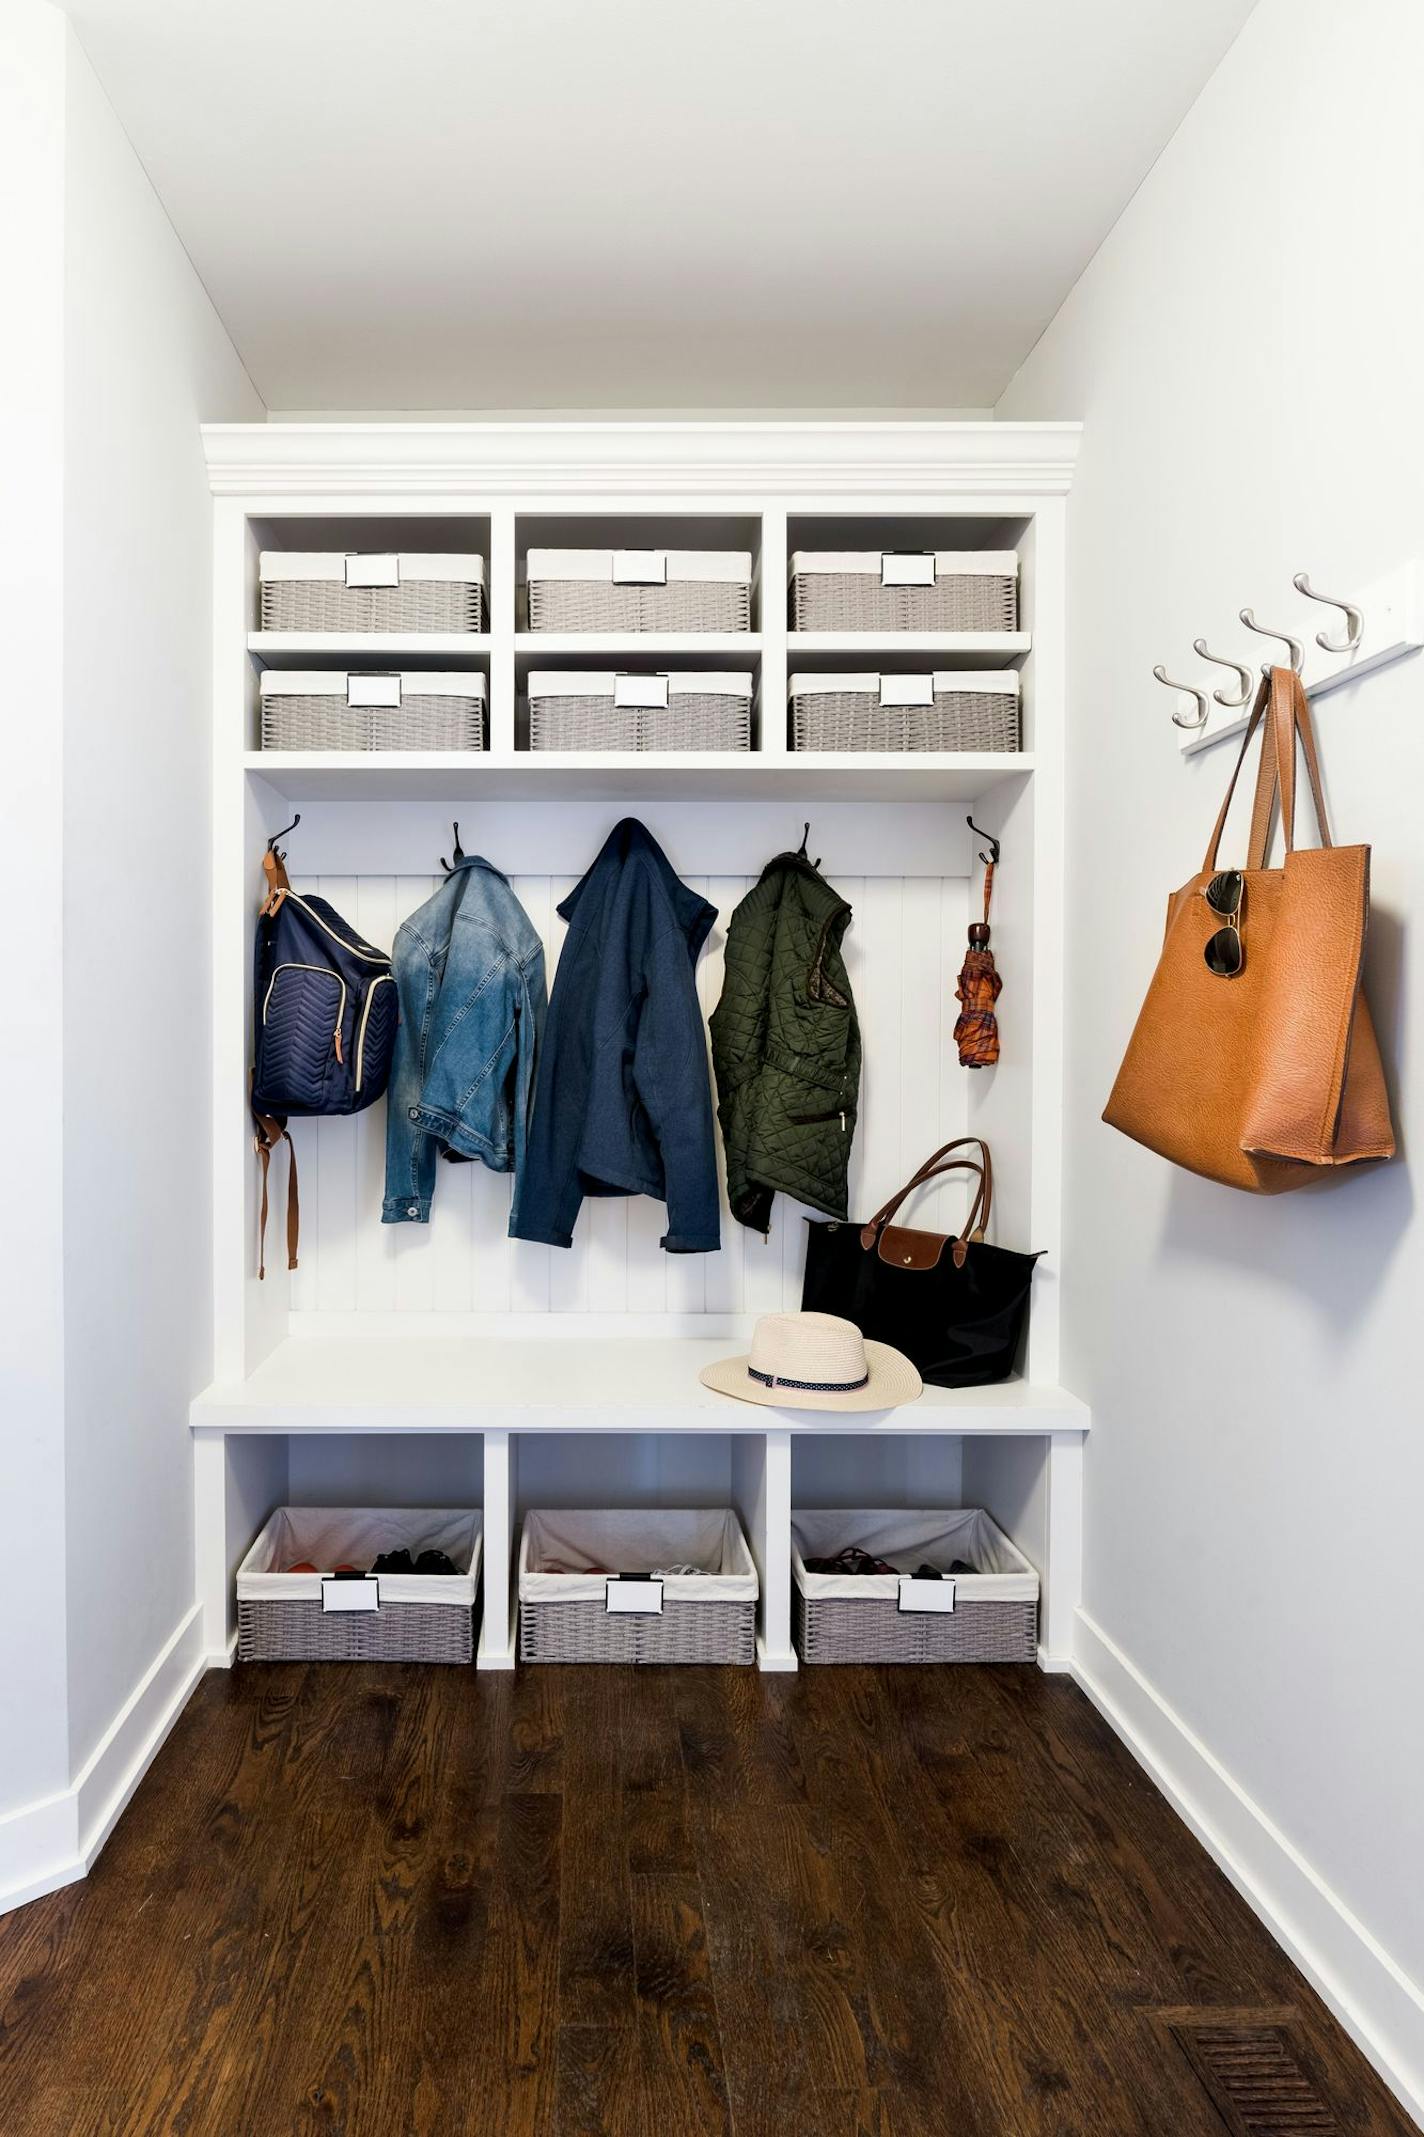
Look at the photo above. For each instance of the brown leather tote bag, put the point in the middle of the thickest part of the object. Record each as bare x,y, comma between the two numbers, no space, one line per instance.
1263,1079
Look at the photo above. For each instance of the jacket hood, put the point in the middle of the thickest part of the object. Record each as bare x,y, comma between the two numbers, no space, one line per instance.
631,845
820,898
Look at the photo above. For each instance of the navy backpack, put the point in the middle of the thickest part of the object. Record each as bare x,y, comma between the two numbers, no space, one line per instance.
324,1018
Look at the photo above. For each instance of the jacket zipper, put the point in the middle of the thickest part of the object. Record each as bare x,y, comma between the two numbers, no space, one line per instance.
382,979
341,1006
808,1120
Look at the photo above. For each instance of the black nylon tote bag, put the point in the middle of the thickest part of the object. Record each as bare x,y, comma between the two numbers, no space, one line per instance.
956,1307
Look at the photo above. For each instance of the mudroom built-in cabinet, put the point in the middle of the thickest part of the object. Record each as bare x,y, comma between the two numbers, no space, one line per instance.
446,1364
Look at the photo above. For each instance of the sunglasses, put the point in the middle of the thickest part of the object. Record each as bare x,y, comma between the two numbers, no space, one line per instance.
1225,952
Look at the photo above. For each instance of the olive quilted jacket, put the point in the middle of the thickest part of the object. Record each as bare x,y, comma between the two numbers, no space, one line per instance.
786,1045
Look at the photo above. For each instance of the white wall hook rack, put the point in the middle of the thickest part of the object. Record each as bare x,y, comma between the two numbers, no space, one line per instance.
1392,612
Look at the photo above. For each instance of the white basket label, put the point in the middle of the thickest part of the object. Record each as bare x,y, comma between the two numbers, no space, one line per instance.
641,1598
347,1594
364,692
647,690
640,567
925,1594
373,570
907,570
906,690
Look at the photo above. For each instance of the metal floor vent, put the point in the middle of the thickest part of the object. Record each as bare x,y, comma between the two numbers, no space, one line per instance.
1257,2082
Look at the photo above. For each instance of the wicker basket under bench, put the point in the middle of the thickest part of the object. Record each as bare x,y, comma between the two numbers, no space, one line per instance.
329,709
889,590
990,1615
600,1610
336,590
938,711
388,1617
640,589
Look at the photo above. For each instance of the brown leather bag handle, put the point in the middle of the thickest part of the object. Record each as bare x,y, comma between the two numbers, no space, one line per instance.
941,1161
1282,704
269,1134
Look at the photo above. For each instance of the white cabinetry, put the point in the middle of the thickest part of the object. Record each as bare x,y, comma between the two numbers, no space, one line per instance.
401,1353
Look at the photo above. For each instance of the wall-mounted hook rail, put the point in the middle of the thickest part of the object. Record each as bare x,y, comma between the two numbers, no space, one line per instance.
1245,679
1184,690
1354,617
1386,622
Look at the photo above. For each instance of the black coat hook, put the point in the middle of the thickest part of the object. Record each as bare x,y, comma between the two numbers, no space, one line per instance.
991,858
801,853
459,853
272,842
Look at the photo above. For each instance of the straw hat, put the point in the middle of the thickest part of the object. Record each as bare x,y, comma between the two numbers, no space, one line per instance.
815,1361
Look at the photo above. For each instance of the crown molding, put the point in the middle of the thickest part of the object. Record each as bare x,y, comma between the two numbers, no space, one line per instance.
531,459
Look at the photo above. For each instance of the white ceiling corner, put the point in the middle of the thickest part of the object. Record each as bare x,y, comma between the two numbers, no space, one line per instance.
645,204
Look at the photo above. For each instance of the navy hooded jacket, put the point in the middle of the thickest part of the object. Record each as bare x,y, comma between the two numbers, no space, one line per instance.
622,1094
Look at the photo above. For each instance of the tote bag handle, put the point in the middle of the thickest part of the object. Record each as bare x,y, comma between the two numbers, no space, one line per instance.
1281,703
941,1161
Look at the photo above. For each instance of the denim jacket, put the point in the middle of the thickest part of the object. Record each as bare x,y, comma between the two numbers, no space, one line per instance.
469,972
623,1104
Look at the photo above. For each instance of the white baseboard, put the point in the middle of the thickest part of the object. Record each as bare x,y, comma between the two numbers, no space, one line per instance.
39,1850
52,1843
1373,1998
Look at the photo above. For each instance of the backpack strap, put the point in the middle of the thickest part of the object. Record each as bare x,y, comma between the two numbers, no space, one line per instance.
269,1133
275,874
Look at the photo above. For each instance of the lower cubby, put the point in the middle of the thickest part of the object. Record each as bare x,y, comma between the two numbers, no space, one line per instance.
1025,1477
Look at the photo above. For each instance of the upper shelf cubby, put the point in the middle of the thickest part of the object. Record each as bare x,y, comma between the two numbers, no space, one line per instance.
948,583
627,574
333,588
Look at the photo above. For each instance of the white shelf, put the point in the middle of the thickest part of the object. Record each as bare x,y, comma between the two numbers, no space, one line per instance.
943,649
385,649
719,775
569,1384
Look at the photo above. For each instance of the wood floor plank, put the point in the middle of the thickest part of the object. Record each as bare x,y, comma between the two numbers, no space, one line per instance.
678,2028
596,1986
515,2022
387,1902
600,2084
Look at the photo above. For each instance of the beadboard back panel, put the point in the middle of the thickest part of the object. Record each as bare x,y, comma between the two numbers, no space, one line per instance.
903,951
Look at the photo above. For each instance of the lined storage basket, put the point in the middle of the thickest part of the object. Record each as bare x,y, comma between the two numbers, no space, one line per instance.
939,711
709,1616
337,590
640,589
419,1617
317,709
888,590
881,1617
640,712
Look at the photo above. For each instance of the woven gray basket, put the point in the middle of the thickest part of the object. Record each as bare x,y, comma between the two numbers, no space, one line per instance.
414,605
312,720
681,605
398,1632
835,1631
692,721
855,720
683,1632
856,601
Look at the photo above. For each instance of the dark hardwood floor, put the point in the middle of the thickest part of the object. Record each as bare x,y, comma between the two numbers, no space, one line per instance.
904,1903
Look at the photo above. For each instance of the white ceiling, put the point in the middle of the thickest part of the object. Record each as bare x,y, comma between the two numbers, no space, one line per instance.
639,204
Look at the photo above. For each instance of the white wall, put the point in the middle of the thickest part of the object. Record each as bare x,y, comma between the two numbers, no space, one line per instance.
1245,350
146,361
33,1748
